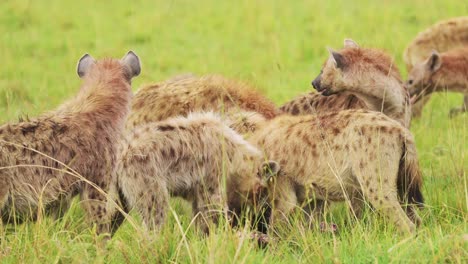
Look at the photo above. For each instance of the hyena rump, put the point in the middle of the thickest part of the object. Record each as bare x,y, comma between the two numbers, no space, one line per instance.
188,93
443,36
349,155
356,78
447,71
41,158
186,157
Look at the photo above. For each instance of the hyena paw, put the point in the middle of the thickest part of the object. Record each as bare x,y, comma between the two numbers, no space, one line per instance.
328,227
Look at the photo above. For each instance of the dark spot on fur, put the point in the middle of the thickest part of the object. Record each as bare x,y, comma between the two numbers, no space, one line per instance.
165,128
295,110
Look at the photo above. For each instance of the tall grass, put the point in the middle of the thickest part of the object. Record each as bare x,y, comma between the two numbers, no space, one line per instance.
279,46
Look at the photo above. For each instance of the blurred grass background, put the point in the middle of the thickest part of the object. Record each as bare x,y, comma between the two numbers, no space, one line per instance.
279,46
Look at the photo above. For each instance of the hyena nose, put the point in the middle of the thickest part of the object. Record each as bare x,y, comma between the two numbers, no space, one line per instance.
316,84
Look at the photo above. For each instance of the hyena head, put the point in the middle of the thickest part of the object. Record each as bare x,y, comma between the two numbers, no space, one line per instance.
90,69
354,69
248,188
420,77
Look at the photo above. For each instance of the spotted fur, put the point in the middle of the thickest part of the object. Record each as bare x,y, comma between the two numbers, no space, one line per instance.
356,78
188,157
47,160
351,155
187,93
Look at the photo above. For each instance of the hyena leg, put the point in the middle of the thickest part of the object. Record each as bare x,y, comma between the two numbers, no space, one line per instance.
153,205
314,211
94,203
461,109
386,202
285,201
208,206
358,204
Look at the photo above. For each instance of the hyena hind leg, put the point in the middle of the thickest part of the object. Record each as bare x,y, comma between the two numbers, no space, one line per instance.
388,205
94,203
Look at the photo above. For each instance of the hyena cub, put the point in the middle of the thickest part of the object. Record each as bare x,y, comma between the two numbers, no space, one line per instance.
443,36
188,93
447,71
186,157
47,160
352,155
356,78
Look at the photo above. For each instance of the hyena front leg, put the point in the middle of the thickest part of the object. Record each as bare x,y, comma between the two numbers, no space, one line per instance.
461,109
285,200
208,206
358,204
314,211
152,204
94,203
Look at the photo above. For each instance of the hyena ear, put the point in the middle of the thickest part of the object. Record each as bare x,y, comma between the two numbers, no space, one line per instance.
349,43
131,62
84,64
337,59
270,169
434,62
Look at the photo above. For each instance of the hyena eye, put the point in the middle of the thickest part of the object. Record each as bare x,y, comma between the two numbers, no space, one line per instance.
410,82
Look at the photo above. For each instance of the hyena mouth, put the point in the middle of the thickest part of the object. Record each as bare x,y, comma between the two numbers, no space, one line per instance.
325,91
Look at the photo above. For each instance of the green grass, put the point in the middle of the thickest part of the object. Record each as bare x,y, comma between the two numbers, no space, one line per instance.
277,45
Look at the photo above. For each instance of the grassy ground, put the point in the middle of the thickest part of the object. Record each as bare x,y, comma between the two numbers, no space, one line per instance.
278,46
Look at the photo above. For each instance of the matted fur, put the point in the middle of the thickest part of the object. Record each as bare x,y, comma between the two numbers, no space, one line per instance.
347,155
186,157
187,93
443,36
364,79
40,158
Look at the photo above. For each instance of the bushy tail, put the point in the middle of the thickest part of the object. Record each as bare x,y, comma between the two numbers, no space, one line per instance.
409,181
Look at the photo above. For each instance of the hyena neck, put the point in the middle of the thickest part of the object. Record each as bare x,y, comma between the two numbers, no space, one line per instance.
452,75
389,97
105,98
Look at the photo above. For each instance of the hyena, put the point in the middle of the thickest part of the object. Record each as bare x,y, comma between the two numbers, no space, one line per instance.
351,155
356,78
443,36
47,160
188,93
446,71
186,157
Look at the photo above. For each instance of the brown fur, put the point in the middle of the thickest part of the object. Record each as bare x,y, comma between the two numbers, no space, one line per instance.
447,71
357,78
186,157
443,36
184,94
40,158
347,155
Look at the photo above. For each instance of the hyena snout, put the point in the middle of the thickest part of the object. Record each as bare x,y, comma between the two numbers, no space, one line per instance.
316,83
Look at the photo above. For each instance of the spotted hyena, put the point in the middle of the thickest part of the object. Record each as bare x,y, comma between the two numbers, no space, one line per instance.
351,155
188,93
446,71
356,78
186,157
47,160
443,36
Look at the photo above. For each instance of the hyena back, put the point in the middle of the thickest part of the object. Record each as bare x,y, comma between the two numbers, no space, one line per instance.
43,159
185,157
357,78
187,93
347,155
441,37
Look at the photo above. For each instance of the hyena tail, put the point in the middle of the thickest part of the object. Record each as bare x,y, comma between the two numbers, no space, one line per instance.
409,182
